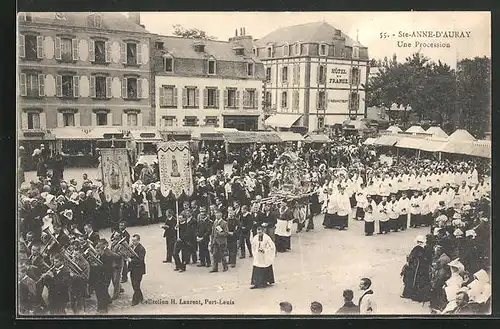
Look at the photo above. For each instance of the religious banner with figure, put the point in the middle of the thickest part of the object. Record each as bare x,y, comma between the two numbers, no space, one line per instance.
174,160
116,175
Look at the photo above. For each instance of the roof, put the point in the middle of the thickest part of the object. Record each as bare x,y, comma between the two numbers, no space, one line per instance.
80,133
415,129
315,32
147,135
110,21
369,141
394,129
317,138
356,124
387,140
289,136
248,137
461,135
282,120
433,144
221,50
410,143
436,132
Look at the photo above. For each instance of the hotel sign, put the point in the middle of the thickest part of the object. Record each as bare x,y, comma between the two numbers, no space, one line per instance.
337,77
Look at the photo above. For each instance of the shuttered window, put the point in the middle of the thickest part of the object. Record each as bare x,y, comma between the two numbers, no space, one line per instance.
168,96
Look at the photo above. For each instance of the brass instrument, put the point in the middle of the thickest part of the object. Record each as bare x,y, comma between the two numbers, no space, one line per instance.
33,259
123,249
44,274
29,283
91,255
50,244
72,265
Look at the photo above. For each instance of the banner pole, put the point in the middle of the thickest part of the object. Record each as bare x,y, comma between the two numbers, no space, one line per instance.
177,216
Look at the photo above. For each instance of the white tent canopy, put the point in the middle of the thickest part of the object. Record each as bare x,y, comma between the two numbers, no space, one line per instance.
394,129
436,132
415,130
461,135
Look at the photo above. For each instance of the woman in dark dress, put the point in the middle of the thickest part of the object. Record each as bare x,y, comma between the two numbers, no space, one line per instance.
415,273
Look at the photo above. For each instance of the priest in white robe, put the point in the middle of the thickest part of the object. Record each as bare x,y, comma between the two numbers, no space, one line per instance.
264,252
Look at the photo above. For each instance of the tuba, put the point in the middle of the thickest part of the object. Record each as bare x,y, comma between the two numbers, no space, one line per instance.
91,255
72,265
50,243
122,248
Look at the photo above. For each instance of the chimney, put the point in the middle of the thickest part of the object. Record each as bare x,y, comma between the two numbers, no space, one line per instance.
243,40
236,32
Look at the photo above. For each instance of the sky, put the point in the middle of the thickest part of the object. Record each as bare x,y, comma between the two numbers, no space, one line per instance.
368,26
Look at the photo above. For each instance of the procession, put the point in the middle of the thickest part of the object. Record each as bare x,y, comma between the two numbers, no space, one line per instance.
162,171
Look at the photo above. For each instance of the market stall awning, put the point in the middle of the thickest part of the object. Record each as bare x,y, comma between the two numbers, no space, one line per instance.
82,133
482,149
472,148
282,120
354,125
249,137
432,145
289,136
410,143
436,132
415,130
317,139
369,141
461,135
387,140
214,136
394,129
146,136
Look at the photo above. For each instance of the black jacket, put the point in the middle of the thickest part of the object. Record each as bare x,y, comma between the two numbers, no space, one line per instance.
137,265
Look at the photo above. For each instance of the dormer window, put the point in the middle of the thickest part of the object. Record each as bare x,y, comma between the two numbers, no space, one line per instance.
95,20
254,51
338,33
270,52
211,66
297,49
355,52
323,49
250,69
286,50
199,47
239,51
168,63
159,45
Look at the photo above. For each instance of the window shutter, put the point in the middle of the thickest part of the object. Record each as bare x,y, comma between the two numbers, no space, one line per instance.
205,97
108,87
109,119
318,70
124,88
359,76
93,119
123,53
139,53
175,96
237,99
22,46
43,121
41,85
92,51
92,87
162,96
58,48
298,74
325,104
196,97
245,98
107,52
74,46
77,119
226,99
257,100
124,119
184,96
139,119
58,85
139,88
22,85
318,103
145,88
39,47
60,119
24,120
217,98
350,76
76,86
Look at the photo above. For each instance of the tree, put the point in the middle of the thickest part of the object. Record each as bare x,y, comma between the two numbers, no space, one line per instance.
181,31
473,100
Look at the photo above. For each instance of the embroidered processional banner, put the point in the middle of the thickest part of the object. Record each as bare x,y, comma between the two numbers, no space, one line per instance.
116,175
174,160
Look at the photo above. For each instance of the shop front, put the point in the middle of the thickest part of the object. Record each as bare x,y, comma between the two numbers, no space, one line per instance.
241,122
31,140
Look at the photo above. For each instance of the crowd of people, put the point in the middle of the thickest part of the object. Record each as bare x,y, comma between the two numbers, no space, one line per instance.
252,208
